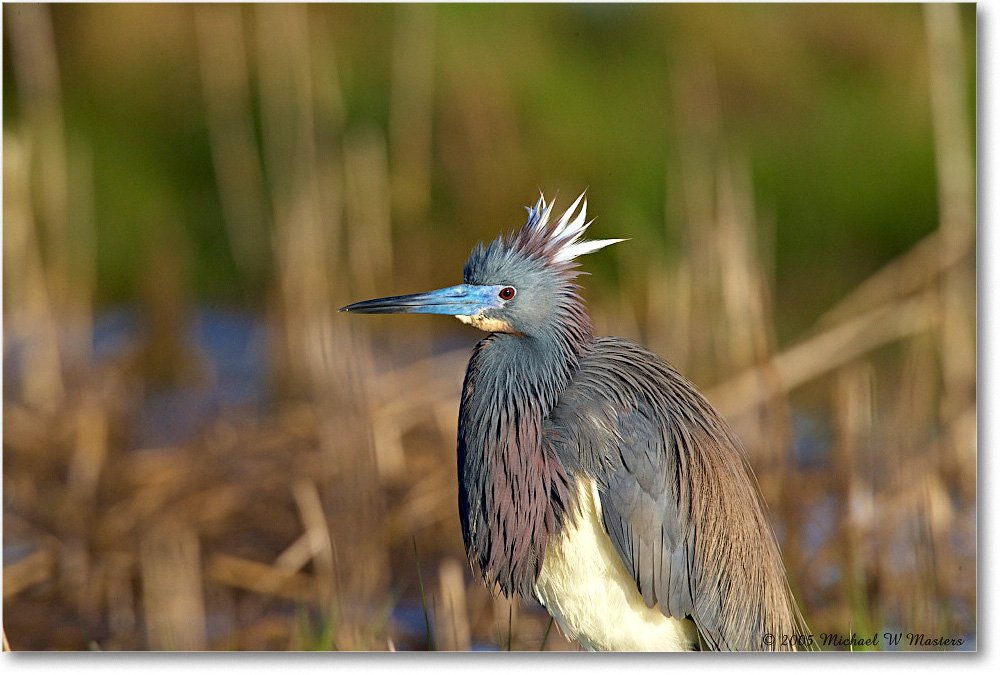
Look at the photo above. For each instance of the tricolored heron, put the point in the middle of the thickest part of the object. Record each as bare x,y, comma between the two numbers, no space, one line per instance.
592,476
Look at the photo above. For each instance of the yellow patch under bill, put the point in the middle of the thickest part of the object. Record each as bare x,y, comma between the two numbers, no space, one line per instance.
488,324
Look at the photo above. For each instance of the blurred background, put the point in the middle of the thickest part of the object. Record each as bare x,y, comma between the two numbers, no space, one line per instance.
200,453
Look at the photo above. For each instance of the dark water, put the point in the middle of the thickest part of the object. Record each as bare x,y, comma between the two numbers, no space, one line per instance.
230,350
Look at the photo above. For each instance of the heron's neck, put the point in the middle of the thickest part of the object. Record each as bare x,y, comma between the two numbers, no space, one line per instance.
512,487
538,367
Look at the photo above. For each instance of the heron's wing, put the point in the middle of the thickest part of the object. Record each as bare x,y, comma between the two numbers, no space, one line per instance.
646,512
660,453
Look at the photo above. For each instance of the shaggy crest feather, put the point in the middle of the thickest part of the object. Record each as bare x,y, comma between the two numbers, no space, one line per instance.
563,241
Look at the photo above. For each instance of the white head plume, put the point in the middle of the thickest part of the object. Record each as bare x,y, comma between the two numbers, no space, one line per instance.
564,238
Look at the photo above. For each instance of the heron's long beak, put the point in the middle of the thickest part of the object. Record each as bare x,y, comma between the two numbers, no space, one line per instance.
461,300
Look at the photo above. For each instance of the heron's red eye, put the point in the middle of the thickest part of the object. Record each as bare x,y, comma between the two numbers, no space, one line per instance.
507,292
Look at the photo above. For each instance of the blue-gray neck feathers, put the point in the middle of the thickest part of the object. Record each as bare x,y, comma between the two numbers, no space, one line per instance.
513,489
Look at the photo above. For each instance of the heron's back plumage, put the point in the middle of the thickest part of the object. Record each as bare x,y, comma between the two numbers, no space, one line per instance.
680,503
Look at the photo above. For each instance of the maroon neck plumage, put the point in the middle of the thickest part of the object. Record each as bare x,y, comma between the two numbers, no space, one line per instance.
513,490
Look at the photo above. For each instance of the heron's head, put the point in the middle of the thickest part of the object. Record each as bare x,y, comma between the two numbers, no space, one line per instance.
521,284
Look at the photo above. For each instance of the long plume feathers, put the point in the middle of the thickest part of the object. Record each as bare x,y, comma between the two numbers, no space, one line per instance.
564,240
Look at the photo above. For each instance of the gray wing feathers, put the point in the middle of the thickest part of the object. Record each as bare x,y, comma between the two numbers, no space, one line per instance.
656,449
